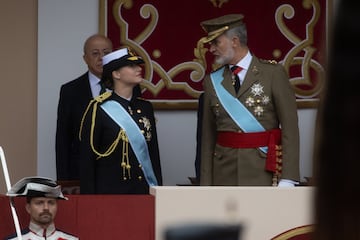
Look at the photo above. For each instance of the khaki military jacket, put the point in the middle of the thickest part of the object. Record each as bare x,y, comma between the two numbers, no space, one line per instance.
268,95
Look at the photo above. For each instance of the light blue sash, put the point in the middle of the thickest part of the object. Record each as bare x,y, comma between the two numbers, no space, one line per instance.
237,111
136,138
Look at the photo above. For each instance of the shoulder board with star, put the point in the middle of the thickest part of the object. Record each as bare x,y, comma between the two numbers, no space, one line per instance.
268,61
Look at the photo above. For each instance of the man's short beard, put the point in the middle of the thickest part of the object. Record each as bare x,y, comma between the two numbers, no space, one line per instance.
226,58
45,220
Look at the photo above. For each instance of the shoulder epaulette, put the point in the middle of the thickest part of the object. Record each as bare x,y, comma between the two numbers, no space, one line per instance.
94,102
102,97
268,61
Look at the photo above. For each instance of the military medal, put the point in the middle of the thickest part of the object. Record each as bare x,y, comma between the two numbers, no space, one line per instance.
257,100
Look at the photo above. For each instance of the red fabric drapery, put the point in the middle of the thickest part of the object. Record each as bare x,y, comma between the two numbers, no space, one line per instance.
166,34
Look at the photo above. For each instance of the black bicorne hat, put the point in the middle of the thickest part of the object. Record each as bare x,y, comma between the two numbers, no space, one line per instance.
36,187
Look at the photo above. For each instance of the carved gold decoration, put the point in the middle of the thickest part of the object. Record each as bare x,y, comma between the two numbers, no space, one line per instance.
306,62
300,55
148,11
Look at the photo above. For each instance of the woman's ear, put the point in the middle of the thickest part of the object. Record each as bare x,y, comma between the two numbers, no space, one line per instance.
116,74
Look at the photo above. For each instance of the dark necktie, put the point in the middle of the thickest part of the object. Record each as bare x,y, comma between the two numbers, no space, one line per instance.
103,88
235,70
44,233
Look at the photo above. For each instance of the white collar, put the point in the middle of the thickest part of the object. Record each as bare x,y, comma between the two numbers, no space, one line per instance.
93,80
244,63
38,230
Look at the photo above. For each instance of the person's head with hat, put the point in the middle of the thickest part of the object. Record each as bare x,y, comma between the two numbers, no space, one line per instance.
122,71
41,198
227,36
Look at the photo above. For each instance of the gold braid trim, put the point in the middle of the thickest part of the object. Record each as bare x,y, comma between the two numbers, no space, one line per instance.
83,117
112,146
94,103
125,163
278,171
98,99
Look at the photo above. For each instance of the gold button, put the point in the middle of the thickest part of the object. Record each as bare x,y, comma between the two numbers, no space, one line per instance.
138,110
140,178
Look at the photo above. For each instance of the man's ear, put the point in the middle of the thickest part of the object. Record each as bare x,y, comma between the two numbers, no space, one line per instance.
27,207
235,40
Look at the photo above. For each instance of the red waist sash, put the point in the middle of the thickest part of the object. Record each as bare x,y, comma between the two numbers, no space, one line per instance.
268,139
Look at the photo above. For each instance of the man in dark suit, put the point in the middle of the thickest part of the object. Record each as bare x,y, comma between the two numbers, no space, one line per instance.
248,114
74,97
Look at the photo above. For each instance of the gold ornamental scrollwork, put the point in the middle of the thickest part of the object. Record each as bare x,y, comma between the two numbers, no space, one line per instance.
292,58
306,62
148,11
300,55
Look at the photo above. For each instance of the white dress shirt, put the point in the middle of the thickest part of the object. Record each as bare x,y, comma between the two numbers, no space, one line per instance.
94,84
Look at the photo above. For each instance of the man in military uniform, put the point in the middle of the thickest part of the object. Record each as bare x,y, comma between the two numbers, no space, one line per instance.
41,195
250,134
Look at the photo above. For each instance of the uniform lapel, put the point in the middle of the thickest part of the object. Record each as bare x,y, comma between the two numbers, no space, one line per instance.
227,82
250,77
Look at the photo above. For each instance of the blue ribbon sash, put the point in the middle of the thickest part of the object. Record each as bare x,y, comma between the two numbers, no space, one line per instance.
237,111
136,138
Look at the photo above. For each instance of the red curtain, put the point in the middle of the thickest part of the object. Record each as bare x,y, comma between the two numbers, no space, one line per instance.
128,217
166,34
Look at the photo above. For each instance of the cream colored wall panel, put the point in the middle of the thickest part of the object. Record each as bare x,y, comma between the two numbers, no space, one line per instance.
264,212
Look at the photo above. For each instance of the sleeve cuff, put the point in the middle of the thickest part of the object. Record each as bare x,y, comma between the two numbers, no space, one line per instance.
287,183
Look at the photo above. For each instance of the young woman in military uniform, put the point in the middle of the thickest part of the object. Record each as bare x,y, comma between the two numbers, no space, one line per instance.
119,146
